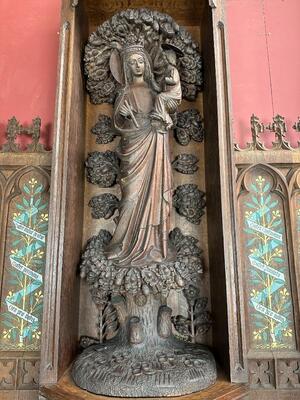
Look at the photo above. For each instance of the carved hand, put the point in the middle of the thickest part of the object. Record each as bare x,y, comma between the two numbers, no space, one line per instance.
170,81
125,110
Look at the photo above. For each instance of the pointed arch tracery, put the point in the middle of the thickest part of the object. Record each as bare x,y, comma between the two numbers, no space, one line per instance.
266,258
24,229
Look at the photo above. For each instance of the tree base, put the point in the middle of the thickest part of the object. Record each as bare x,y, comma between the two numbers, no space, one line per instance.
171,368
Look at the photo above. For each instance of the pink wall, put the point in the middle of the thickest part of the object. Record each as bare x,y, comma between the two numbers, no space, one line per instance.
264,55
264,62
28,62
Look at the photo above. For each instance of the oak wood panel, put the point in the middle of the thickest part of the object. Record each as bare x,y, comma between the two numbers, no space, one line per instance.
213,196
228,337
59,343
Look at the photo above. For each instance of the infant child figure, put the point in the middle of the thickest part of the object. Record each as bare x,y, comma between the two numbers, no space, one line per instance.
168,100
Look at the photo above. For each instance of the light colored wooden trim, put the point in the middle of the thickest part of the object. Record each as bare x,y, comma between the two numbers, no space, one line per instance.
22,159
269,157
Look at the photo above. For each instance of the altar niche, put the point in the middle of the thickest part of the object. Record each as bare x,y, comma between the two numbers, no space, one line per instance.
182,306
143,255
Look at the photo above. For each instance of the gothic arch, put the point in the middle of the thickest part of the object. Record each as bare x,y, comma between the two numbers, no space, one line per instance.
266,258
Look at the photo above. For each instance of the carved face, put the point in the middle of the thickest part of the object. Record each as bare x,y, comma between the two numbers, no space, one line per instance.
136,65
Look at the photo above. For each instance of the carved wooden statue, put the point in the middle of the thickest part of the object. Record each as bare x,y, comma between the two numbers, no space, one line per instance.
141,235
141,262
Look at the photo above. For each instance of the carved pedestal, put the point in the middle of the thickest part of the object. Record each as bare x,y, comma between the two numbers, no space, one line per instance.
144,359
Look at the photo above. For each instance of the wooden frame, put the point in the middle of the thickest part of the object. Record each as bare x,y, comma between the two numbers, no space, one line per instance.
64,243
19,367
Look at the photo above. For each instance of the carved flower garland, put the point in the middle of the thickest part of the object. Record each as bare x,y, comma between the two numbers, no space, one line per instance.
107,278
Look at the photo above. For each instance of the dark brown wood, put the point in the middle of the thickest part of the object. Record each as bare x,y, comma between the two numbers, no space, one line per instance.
61,316
220,199
64,240
213,197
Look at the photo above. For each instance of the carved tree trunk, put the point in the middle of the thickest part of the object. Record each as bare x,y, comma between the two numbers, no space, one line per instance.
148,324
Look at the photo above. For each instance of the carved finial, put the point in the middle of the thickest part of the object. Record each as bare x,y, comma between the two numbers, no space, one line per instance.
257,127
296,125
278,126
14,129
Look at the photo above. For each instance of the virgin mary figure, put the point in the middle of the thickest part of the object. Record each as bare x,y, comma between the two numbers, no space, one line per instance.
143,224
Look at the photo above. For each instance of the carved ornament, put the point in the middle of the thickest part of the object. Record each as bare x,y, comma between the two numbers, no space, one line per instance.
102,168
189,202
103,130
151,28
198,321
278,126
189,126
105,277
14,129
104,205
186,163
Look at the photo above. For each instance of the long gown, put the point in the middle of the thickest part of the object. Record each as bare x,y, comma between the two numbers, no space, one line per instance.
141,235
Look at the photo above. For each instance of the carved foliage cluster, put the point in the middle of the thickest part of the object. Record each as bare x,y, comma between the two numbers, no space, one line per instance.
140,25
104,205
106,278
108,325
198,320
186,163
189,126
103,130
189,202
102,168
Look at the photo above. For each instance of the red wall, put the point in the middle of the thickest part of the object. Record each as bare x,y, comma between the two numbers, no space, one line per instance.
264,50
264,54
28,62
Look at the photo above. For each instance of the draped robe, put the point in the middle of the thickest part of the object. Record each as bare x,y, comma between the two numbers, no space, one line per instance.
141,234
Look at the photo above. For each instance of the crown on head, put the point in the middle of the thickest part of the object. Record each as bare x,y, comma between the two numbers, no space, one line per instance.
132,45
